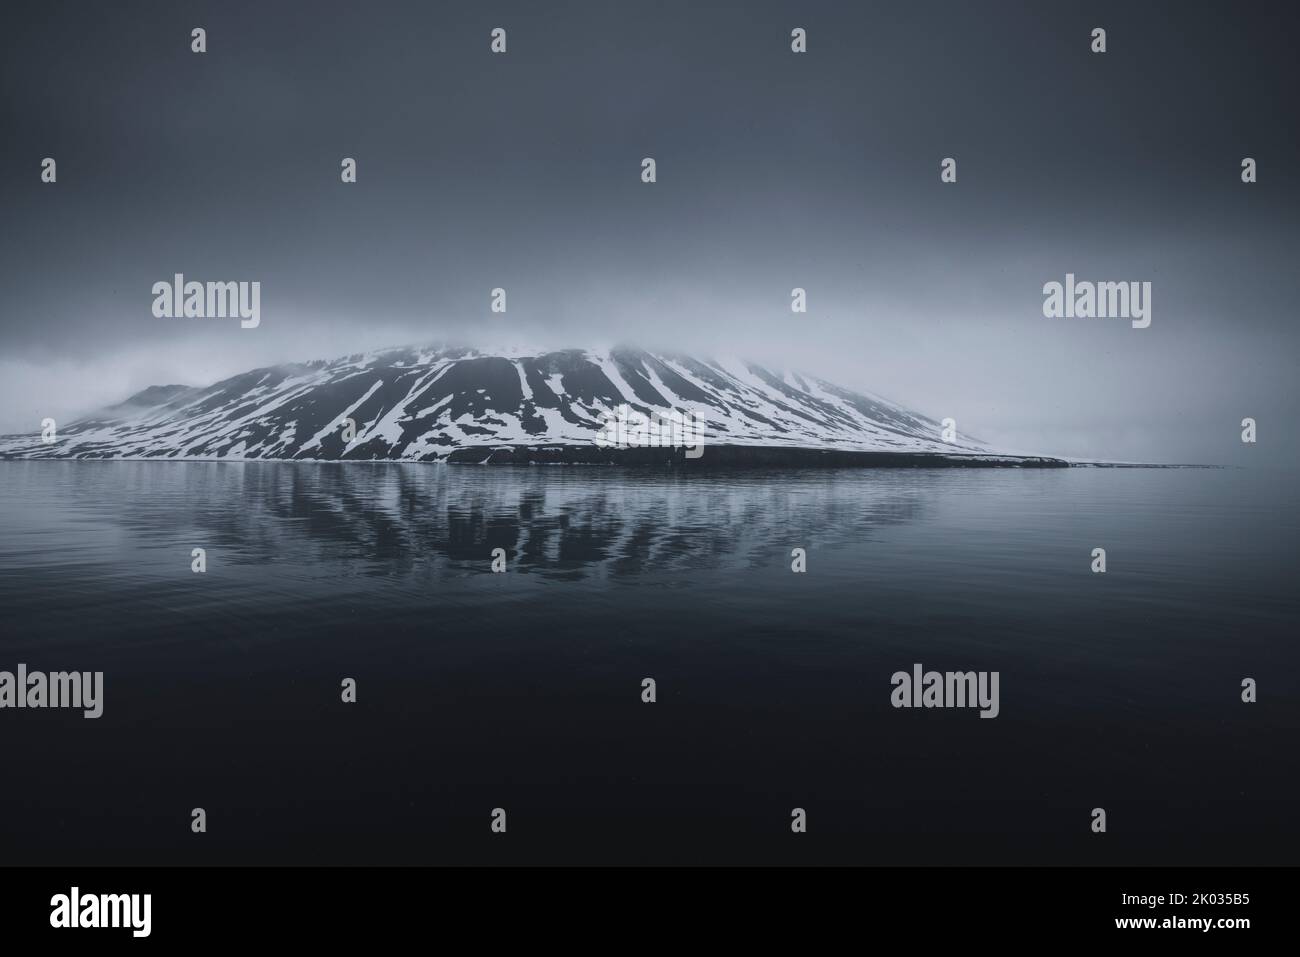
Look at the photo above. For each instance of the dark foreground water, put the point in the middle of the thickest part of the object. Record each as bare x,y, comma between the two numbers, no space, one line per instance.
522,690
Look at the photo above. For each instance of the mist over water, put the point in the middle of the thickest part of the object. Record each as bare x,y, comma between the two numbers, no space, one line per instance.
521,689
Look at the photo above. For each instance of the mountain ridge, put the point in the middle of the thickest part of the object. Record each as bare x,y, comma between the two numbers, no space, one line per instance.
455,403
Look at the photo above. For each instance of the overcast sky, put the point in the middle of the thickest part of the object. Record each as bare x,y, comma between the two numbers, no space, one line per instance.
775,170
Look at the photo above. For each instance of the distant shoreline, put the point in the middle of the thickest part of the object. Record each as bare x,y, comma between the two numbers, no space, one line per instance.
714,456
741,456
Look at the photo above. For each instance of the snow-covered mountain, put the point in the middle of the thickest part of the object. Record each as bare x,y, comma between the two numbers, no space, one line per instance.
440,403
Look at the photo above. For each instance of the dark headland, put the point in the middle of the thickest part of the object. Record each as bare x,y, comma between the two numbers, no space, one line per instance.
739,456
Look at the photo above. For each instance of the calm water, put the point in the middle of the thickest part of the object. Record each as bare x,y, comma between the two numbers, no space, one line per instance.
522,690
